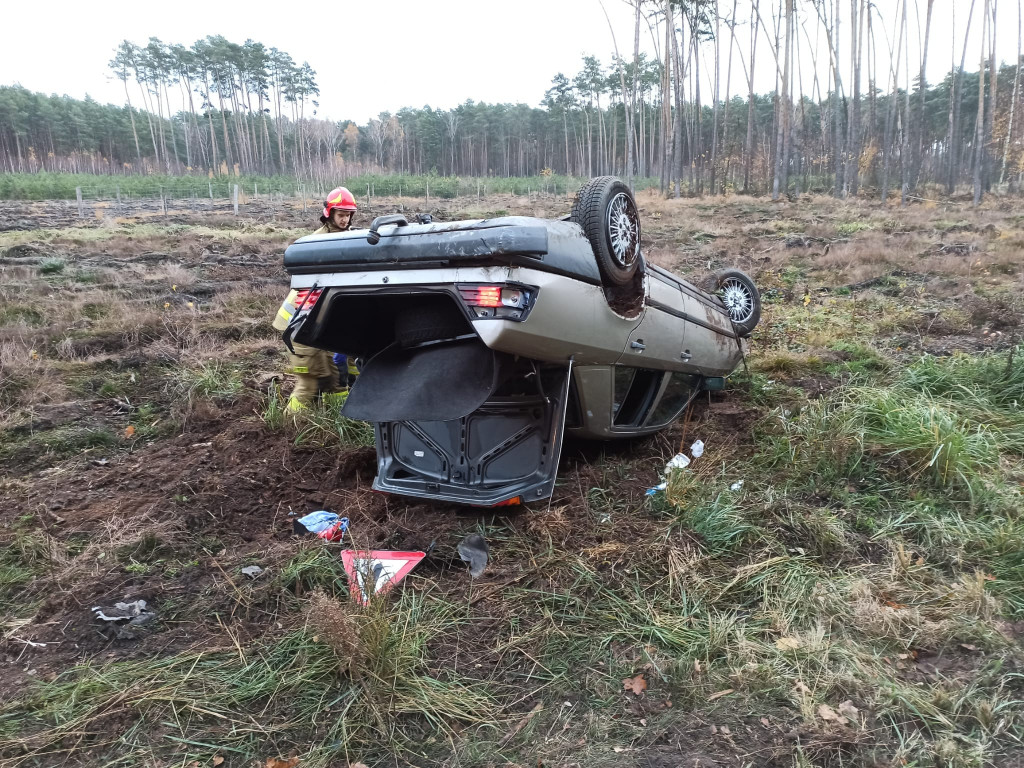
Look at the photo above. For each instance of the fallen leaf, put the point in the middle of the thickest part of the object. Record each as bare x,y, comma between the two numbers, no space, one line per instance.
357,765
787,643
765,722
217,760
801,688
193,764
696,666
278,762
618,749
635,684
129,431
846,709
725,729
720,694
522,723
968,647
826,713
988,577
643,721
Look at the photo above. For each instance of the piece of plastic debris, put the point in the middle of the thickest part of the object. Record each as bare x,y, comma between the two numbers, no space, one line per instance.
121,611
697,449
656,489
679,461
252,571
736,486
126,616
335,531
315,522
473,550
376,571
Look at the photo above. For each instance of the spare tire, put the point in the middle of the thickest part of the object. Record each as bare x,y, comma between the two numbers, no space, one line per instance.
740,296
606,211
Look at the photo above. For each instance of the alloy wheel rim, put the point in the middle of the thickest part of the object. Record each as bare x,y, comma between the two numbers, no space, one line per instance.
739,303
624,230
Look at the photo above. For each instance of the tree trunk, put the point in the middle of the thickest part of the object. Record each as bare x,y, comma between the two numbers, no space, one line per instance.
953,140
1013,98
979,123
993,74
782,122
749,160
922,85
853,120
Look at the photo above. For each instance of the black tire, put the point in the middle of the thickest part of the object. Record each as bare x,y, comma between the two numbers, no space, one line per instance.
740,296
605,209
431,322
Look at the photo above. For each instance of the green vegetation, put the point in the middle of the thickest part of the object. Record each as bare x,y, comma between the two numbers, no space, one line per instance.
61,186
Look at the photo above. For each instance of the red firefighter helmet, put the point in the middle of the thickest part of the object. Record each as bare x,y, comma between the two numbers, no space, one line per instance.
339,199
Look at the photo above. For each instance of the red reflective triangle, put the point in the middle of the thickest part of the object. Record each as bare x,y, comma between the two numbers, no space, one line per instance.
377,567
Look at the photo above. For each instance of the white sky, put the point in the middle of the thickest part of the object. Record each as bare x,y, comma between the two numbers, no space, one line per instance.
383,56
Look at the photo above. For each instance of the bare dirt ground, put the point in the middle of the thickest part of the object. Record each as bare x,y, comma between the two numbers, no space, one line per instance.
145,457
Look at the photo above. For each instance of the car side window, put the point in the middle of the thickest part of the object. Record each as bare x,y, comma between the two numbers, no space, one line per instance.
679,390
635,393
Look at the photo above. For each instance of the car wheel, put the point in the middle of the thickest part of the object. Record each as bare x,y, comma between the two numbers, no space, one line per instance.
606,211
740,296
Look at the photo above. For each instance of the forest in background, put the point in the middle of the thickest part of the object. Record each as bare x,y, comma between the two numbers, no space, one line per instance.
687,116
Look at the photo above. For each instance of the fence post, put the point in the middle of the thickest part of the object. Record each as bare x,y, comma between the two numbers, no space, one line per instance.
428,193
163,205
78,194
256,190
118,197
234,199
478,190
303,199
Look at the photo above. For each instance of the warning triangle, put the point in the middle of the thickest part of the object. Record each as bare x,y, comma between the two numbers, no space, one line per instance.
376,571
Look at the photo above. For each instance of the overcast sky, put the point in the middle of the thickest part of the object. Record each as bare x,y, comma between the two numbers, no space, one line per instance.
372,57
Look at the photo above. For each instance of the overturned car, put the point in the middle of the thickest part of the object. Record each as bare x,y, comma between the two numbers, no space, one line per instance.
485,341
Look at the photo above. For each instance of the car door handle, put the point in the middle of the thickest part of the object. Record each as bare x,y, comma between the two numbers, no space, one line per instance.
685,355
638,345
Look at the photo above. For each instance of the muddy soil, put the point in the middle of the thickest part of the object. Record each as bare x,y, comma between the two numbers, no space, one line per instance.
171,516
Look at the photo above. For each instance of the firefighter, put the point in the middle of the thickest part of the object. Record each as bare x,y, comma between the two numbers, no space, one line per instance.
315,370
339,209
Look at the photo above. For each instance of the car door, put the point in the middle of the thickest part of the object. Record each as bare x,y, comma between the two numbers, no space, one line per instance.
658,341
710,340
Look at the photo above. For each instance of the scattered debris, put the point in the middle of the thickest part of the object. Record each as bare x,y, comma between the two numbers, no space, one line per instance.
280,762
126,616
315,522
720,694
655,489
697,449
636,684
473,550
679,461
381,568
252,571
737,486
335,531
787,643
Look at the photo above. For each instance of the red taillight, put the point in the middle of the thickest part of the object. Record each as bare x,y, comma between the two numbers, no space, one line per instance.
482,295
307,298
